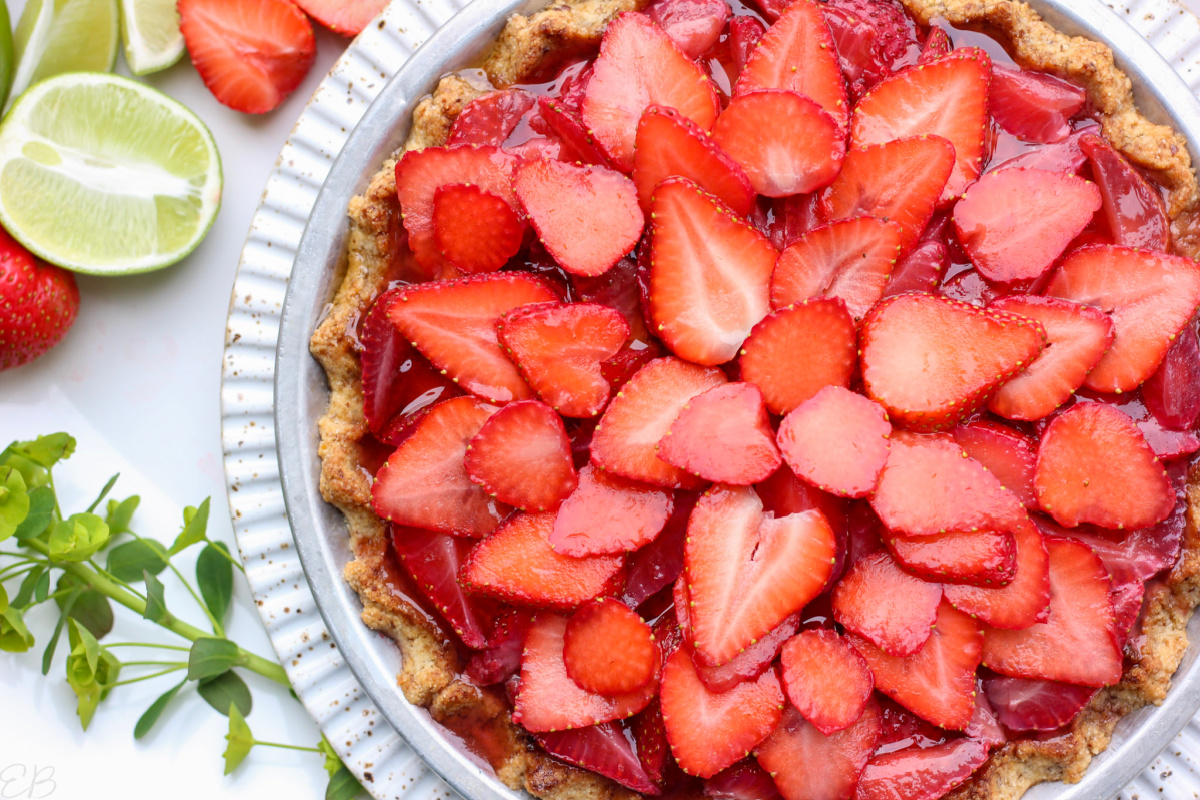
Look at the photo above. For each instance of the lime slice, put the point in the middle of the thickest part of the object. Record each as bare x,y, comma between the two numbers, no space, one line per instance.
151,35
133,194
56,36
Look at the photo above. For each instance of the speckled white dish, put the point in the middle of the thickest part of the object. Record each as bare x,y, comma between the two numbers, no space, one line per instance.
323,681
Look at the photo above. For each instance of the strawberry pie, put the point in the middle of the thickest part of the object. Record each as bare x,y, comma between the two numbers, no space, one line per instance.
779,401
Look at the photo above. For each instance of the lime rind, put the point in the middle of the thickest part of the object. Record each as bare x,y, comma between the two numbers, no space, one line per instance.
59,36
150,35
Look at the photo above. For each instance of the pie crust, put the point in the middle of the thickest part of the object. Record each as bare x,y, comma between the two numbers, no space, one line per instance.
529,48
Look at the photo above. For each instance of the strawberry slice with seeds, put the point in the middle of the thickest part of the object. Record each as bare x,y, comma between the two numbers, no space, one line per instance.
929,361
659,564
1150,297
745,780
521,456
946,98
501,658
938,44
1136,214
1078,337
799,350
516,564
747,573
874,38
476,230
639,416
744,36
710,731
900,181
453,324
608,514
1006,453
921,774
851,259
837,440
424,485
1077,644
977,558
1023,601
669,144
1172,393
919,271
490,118
881,602
609,649
938,682
638,66
1022,704
825,679
603,749
1015,223
808,765
560,347
793,217
706,292
562,124
344,17
723,435
694,25
984,725
1033,106
1094,466
650,737
548,700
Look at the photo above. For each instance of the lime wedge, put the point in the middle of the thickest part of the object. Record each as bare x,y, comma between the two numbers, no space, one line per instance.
133,194
151,35
56,36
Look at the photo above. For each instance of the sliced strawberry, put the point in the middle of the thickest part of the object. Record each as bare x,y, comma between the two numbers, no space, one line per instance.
946,98
501,658
1005,452
977,558
1024,599
563,124
984,724
638,66
929,360
618,289
1133,207
1094,466
694,25
792,217
783,493
603,749
1077,643
797,54
723,435
745,780
609,649
744,35
937,44
881,602
548,700
650,737
921,774
746,573
938,682
1172,393
706,293
919,271
1130,556
825,679
837,440
1066,156
900,181
874,38
490,117
1150,297
1030,705
251,54
516,564
641,414
419,173
345,17
521,456
659,564
903,729
709,731
851,259
1033,106
669,144
609,514
476,230
799,350
1078,337
808,765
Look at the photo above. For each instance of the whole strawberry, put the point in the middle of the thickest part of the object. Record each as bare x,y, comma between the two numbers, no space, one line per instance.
38,303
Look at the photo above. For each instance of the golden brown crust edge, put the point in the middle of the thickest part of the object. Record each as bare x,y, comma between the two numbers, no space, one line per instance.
527,48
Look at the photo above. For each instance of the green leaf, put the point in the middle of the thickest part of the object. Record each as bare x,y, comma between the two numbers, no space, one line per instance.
41,512
195,525
240,739
126,562
227,689
14,636
104,492
46,451
90,608
65,604
25,591
151,715
78,538
120,515
85,644
156,606
214,575
42,590
3,599
332,761
211,656
343,786
91,669
14,501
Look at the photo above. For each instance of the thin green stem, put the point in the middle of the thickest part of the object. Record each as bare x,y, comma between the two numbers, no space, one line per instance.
228,556
13,570
12,554
287,746
217,627
149,644
153,663
141,678
54,491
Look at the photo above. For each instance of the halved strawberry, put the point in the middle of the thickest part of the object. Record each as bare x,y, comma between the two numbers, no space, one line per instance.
929,361
797,54
1005,452
938,682
608,514
1094,466
921,774
826,679
576,142
851,259
1015,223
521,456
799,350
1033,106
609,649
808,765
516,564
639,416
746,573
251,54
706,292
877,600
476,230
669,144
1023,704
937,44
1078,335
1133,207
419,173
900,181
694,25
1077,643
546,697
501,657
723,435
837,440
745,33
604,749
709,731
490,117
745,780
919,271
638,66
946,98
977,558
424,484
1172,393
1150,297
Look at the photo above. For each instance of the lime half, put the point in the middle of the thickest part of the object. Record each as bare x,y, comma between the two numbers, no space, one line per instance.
150,32
56,36
101,174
